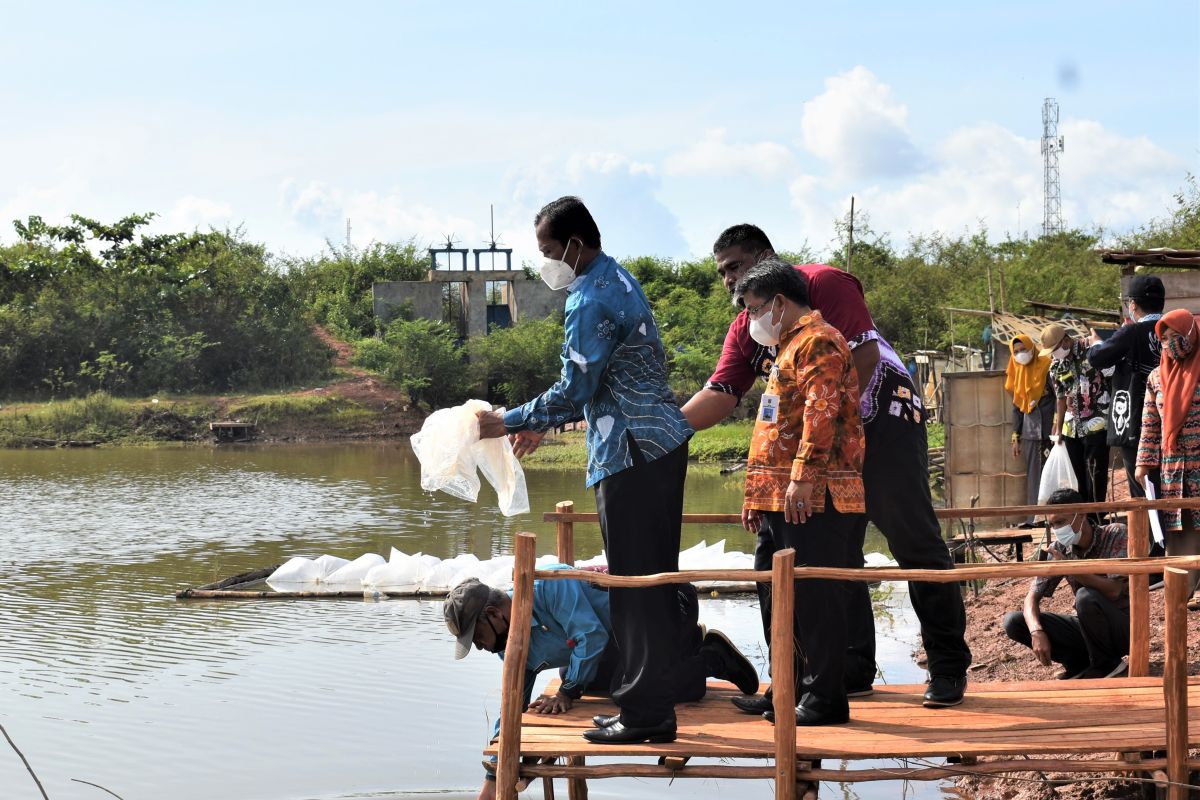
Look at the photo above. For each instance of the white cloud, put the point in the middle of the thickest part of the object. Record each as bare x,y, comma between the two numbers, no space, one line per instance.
621,193
714,155
859,128
195,213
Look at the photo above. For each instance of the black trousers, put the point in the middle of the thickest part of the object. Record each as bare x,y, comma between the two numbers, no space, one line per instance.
1097,637
1089,458
819,620
640,512
691,678
896,480
1129,459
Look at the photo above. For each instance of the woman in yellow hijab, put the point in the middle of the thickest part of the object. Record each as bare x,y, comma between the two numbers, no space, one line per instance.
1027,380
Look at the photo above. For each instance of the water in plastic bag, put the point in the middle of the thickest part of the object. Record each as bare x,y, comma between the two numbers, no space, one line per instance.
1057,473
451,456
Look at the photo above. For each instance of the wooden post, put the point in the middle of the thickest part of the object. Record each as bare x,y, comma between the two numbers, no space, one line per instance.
1175,680
783,681
566,534
516,651
1139,596
576,787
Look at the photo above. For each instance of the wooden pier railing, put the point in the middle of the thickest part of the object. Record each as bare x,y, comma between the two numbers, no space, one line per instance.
1138,566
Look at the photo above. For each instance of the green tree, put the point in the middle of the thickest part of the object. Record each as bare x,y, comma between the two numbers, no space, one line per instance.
522,361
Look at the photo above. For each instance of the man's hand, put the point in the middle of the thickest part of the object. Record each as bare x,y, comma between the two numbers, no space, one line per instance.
1041,647
488,792
525,442
555,704
1016,448
1053,554
491,424
797,503
751,519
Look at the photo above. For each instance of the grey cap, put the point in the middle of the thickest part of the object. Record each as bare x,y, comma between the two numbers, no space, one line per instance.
462,608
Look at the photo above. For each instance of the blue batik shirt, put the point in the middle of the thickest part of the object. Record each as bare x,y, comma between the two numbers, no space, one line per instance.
570,627
614,375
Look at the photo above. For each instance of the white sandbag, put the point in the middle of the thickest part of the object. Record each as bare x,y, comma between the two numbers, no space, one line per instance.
296,570
356,570
329,564
1057,473
451,456
402,573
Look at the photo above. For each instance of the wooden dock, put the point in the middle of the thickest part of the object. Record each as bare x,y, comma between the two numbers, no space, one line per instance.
1118,719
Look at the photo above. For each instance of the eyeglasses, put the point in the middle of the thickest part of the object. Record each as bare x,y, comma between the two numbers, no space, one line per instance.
754,311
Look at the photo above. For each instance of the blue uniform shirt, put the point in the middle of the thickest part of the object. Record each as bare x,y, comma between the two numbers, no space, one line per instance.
613,375
570,628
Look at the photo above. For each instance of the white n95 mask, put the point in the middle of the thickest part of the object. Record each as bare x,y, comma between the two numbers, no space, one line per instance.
1023,357
765,332
559,274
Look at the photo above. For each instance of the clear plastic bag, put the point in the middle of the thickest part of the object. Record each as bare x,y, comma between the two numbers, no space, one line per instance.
1057,473
451,456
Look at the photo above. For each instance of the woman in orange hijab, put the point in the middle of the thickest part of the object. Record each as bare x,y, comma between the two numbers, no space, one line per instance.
1171,431
1026,379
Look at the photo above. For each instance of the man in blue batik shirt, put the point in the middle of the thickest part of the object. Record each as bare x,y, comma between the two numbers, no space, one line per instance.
571,629
614,375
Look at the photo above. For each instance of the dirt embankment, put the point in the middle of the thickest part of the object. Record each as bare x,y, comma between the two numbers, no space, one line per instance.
996,658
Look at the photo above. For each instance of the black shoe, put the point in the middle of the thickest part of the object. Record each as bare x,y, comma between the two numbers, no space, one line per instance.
945,691
865,690
1118,670
620,733
756,704
606,720
735,667
1028,526
809,717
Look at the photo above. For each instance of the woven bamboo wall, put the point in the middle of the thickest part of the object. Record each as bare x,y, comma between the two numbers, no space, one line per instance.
979,461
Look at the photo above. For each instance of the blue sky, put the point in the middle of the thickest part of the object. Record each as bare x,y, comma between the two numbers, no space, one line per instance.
672,120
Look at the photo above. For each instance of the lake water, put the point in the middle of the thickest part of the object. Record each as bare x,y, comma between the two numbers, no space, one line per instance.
106,678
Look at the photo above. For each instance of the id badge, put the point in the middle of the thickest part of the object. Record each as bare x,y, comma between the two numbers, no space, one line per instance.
768,409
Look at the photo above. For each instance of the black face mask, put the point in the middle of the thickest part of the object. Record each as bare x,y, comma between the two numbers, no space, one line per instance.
499,641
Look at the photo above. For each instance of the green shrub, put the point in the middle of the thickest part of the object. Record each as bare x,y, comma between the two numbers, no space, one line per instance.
522,361
422,358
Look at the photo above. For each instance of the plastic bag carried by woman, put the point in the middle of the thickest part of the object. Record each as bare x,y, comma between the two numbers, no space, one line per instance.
1057,473
452,455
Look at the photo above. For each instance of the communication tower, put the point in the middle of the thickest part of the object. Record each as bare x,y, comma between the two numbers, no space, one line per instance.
1052,145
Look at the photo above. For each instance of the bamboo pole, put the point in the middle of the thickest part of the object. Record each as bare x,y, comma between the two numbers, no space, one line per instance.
1069,765
1175,680
577,787
1139,596
944,513
1023,569
566,533
783,662
516,651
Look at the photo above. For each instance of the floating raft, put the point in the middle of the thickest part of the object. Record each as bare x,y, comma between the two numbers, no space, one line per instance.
1015,720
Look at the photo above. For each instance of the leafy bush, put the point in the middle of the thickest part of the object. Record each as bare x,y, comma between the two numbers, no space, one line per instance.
421,357
522,361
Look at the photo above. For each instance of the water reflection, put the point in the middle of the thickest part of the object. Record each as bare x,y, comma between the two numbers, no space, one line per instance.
106,678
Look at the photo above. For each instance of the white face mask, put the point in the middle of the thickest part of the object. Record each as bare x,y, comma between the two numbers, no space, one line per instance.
1061,353
559,274
1067,535
1023,357
764,331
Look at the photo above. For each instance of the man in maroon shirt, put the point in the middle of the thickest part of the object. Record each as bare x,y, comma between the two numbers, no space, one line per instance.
895,470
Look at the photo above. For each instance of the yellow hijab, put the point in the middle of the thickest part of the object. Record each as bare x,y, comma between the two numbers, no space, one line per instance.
1026,383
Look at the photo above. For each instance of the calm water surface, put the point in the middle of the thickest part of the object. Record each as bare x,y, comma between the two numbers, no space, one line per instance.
105,678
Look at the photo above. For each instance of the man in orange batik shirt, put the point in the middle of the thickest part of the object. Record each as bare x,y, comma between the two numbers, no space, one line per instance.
804,485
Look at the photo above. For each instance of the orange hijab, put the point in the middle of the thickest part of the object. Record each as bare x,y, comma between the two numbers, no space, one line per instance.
1026,383
1178,378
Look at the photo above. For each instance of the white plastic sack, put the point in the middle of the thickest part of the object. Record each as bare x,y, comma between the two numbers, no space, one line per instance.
451,453
306,570
1057,473
356,570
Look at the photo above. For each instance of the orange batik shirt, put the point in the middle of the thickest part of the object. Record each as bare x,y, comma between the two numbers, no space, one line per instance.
808,427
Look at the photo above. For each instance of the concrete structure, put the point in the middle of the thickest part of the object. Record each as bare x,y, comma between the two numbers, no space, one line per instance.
471,301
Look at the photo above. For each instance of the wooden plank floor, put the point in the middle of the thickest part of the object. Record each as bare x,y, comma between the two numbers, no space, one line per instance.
995,719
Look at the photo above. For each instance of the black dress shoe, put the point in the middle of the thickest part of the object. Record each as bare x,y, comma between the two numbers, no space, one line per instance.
756,704
945,691
605,720
733,666
811,717
865,690
620,733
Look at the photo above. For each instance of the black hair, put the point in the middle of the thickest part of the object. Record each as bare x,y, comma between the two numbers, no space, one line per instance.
1151,305
1063,497
770,277
748,237
495,599
568,217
